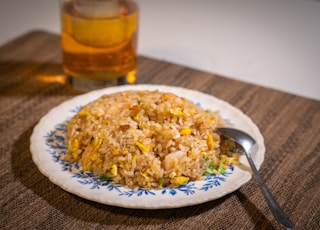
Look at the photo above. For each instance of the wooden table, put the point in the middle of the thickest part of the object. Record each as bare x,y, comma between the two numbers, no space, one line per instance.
32,82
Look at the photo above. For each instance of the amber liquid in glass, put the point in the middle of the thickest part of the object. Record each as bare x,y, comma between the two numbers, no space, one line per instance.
100,48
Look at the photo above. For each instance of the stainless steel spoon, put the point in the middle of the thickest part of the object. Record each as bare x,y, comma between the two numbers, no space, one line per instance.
249,144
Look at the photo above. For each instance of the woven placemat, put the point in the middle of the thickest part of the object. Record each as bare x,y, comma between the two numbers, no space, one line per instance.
32,82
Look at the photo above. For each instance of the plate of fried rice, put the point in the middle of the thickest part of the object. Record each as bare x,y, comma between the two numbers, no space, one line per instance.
144,146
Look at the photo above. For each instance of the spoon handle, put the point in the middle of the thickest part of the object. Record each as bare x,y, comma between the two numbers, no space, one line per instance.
274,206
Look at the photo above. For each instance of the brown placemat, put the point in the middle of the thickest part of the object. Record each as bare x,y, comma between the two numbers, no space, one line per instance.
32,82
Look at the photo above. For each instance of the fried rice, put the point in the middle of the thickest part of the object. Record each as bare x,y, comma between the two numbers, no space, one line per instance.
146,139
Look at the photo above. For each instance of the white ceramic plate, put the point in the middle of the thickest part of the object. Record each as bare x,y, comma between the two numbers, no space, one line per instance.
47,148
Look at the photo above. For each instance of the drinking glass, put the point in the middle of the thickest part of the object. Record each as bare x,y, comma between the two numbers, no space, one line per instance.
99,42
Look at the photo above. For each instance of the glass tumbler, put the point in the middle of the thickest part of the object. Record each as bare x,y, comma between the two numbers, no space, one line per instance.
99,42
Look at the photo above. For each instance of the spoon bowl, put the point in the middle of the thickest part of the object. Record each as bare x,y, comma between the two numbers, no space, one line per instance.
249,146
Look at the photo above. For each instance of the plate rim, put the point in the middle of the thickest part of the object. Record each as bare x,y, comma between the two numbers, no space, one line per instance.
139,203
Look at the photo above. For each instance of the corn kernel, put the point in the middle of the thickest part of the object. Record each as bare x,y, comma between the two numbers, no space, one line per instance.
185,131
210,142
179,180
205,154
176,111
114,170
74,149
84,112
142,147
